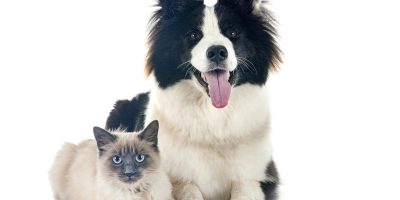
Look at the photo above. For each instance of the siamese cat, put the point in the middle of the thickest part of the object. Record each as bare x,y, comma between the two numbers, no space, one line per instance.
117,166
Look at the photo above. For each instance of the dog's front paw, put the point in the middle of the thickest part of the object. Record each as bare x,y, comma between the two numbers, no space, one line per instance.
187,191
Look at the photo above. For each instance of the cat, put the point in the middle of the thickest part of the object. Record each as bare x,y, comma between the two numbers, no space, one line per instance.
116,166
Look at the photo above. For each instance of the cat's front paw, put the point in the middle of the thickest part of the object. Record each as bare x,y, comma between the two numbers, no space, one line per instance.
246,198
187,191
246,190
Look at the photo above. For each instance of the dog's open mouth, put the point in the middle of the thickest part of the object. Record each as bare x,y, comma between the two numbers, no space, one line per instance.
218,85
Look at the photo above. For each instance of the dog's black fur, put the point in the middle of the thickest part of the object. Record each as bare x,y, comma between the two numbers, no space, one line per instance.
128,115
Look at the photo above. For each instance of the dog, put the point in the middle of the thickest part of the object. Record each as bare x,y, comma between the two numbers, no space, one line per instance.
209,65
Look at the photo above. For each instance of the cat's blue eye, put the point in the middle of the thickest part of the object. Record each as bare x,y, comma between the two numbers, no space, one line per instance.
117,160
139,158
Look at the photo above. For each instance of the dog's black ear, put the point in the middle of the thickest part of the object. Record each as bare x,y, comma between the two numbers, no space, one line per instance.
248,6
171,8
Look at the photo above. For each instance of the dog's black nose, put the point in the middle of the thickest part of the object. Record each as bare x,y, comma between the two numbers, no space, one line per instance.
217,53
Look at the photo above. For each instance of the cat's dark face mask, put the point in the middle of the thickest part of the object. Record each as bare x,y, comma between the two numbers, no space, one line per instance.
128,158
129,165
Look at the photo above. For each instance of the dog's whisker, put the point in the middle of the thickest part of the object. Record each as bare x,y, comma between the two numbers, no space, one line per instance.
183,65
190,69
247,64
240,66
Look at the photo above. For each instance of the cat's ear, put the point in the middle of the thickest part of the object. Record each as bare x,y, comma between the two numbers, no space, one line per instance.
150,133
103,137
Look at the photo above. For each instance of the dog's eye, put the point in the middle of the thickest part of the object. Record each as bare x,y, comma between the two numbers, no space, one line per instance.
232,33
139,158
117,160
195,35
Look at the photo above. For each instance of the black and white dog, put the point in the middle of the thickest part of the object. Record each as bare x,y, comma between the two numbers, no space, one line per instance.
209,65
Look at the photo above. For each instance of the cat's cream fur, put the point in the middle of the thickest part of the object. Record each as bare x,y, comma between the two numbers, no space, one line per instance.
78,174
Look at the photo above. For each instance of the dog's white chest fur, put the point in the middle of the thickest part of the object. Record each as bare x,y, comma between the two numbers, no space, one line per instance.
212,147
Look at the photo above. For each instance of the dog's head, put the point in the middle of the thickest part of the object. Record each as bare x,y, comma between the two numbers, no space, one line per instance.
220,47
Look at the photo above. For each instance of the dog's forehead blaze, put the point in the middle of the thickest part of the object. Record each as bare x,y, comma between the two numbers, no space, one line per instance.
210,22
210,3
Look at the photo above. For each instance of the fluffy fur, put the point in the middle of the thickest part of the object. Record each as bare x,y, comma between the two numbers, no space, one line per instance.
217,158
211,153
82,172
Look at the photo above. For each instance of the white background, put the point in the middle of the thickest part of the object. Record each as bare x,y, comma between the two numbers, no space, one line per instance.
335,101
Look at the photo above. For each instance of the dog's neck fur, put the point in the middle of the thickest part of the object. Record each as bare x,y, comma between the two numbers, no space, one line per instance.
224,146
183,108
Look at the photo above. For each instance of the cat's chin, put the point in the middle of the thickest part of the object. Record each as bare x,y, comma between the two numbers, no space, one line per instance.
130,180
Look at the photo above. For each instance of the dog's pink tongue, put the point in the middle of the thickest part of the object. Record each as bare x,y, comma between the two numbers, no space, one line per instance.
219,88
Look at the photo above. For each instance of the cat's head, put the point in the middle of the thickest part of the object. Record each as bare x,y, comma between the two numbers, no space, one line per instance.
127,157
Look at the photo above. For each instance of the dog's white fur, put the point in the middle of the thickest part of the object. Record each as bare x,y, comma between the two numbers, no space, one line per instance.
222,153
212,36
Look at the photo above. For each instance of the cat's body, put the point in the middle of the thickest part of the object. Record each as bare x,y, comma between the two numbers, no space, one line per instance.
79,173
